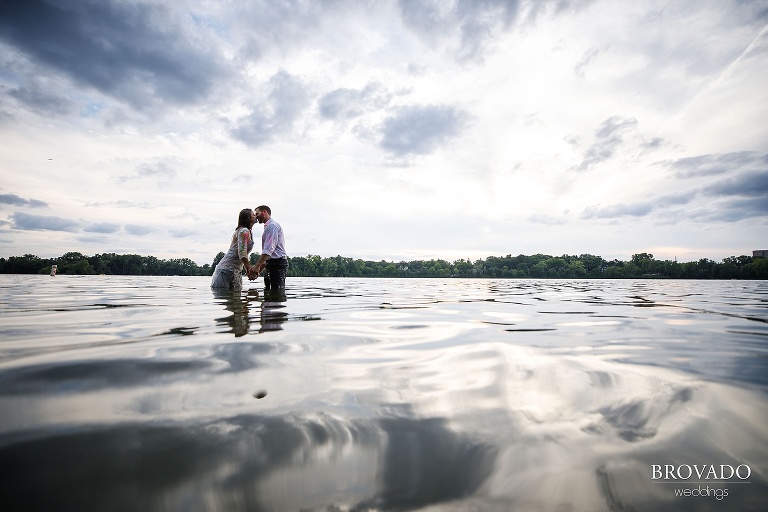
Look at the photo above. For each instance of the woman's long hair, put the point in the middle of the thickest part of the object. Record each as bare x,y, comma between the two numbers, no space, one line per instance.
244,220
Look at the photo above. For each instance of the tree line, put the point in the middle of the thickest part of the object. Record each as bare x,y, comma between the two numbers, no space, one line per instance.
110,264
642,265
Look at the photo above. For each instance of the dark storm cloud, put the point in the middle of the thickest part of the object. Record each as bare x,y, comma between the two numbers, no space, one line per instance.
20,201
135,52
421,129
286,101
350,103
25,221
39,99
713,164
736,209
746,196
639,209
102,227
609,136
746,184
740,196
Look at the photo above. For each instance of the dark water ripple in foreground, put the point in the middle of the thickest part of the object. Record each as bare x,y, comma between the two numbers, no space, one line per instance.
131,393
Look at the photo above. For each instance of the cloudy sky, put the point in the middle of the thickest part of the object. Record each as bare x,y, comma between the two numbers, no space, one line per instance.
385,130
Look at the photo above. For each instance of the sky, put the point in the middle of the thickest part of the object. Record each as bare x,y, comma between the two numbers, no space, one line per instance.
385,130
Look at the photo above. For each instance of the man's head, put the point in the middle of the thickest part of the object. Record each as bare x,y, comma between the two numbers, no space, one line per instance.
263,213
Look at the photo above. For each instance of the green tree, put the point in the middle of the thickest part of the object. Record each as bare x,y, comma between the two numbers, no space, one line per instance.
644,261
218,258
577,269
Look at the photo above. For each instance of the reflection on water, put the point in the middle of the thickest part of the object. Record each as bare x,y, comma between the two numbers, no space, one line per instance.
269,305
130,393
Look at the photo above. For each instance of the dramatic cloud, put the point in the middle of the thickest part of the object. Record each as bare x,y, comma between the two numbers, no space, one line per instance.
350,103
745,196
639,209
676,198
746,184
136,52
38,98
20,201
743,208
714,164
608,137
421,129
735,198
276,115
25,221
269,27
471,26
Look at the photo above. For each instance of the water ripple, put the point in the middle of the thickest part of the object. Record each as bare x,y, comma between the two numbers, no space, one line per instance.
366,394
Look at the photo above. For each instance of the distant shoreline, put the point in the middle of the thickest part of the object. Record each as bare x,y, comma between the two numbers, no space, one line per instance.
538,266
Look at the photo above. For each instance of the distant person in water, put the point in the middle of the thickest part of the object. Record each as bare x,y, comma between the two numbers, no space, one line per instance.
228,273
273,256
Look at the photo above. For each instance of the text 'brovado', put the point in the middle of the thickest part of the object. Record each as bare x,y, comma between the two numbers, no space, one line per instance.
721,472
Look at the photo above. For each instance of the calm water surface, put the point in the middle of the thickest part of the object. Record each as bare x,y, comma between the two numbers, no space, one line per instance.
142,394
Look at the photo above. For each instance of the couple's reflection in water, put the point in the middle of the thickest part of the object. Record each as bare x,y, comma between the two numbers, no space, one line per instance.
248,305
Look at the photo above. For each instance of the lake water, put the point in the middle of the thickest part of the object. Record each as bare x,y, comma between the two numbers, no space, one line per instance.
153,393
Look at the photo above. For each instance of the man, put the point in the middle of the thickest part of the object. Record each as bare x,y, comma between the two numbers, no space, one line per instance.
273,256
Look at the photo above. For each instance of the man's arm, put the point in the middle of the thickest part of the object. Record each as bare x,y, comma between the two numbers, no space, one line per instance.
270,241
262,262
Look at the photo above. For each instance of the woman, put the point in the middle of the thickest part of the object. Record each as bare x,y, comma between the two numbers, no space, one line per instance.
228,273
